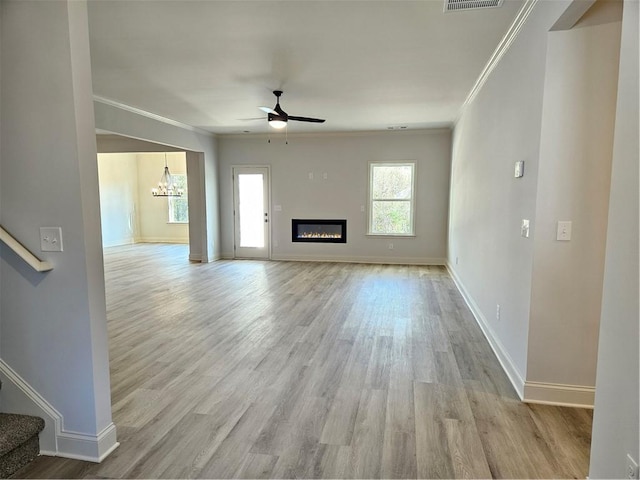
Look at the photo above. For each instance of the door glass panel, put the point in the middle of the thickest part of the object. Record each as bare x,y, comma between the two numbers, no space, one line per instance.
251,209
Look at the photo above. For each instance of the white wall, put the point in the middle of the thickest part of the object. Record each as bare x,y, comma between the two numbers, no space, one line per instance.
154,211
615,422
573,184
488,258
130,214
344,158
54,324
118,177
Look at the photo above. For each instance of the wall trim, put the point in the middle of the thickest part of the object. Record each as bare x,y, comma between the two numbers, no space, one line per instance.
501,353
153,116
439,128
121,242
179,240
195,258
91,448
559,394
497,55
55,440
352,259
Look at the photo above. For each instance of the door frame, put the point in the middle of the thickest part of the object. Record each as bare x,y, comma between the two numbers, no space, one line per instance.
268,208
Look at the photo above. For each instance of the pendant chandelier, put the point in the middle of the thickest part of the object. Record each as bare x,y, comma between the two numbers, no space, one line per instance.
166,185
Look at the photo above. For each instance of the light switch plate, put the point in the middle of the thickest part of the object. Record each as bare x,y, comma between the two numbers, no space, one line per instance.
524,228
50,239
519,170
277,208
564,231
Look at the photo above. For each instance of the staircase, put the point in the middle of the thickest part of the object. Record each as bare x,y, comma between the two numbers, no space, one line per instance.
19,443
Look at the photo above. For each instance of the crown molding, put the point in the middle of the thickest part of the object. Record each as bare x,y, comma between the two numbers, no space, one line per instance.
499,52
153,116
352,133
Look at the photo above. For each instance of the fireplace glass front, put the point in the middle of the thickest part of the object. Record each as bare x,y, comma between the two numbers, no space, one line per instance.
319,231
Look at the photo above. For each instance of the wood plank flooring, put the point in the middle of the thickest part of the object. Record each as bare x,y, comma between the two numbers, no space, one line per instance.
251,369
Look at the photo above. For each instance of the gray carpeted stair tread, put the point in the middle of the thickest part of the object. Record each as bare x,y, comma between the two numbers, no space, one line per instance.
17,429
13,461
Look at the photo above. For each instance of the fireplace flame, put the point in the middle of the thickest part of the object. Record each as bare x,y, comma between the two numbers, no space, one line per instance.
319,235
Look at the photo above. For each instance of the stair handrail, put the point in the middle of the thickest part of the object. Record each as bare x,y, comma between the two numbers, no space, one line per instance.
33,261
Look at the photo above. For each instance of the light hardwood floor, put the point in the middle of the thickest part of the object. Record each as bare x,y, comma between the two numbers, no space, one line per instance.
252,369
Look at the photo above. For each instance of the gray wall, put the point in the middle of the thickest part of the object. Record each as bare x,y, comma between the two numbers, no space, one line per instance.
487,255
574,174
615,422
344,158
550,102
54,324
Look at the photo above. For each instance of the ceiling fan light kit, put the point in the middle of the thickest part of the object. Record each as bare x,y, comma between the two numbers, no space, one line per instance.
278,118
277,121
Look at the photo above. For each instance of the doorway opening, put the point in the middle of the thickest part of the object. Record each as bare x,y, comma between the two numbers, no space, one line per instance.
130,213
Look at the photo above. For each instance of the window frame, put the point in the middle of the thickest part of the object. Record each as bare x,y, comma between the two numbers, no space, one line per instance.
411,200
170,201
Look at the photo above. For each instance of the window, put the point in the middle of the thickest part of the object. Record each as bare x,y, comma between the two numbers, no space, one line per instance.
179,206
391,195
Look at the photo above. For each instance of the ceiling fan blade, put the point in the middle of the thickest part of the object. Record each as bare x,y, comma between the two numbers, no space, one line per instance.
267,110
306,119
251,119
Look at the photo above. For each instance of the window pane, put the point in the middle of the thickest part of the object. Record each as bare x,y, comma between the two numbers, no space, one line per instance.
391,182
179,206
391,217
251,205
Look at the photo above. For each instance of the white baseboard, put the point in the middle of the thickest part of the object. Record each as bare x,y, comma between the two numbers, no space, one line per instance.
364,259
19,397
91,448
530,392
350,259
195,258
162,240
559,394
503,356
120,242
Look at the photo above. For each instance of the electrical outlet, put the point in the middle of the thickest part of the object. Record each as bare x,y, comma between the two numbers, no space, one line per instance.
524,228
632,468
456,260
498,311
391,246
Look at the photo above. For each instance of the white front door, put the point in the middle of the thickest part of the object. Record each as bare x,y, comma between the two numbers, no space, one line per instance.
251,212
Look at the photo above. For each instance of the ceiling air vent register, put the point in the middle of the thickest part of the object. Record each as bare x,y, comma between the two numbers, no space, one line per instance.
458,5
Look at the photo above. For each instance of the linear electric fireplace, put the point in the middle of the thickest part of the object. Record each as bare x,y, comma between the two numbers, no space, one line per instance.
320,231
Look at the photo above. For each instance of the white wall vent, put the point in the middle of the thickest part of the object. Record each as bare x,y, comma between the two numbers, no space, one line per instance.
457,5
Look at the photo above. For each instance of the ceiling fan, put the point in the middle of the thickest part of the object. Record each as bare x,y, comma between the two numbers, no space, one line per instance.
278,118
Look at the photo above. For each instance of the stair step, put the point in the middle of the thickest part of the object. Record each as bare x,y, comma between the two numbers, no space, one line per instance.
18,441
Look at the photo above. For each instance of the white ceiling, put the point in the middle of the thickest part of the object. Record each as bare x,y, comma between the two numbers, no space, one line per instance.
362,65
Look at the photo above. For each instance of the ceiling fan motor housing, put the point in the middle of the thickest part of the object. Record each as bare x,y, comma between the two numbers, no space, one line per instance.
280,117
